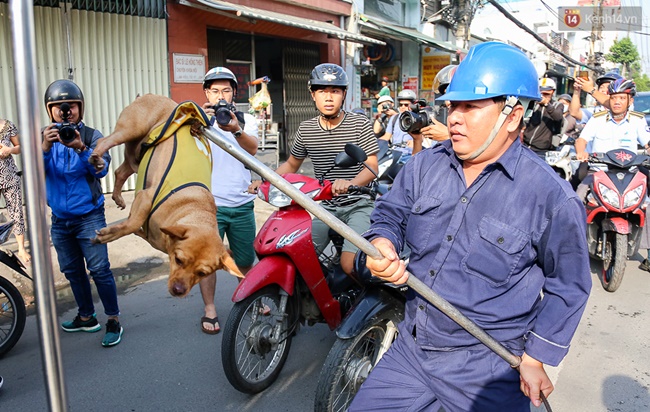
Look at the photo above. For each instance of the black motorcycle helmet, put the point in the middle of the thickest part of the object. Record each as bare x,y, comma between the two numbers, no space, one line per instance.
608,77
61,91
327,74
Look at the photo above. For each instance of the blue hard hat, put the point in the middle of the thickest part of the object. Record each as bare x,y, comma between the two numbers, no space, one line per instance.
494,69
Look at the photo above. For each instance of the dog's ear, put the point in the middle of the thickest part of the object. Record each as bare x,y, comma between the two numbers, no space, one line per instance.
175,231
229,265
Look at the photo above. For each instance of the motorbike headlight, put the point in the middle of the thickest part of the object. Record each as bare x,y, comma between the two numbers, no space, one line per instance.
278,198
632,197
609,196
552,157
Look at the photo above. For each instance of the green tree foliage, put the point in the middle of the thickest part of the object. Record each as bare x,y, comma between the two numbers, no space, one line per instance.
642,82
623,52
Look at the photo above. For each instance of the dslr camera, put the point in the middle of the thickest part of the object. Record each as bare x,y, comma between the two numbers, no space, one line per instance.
385,106
66,128
222,112
413,121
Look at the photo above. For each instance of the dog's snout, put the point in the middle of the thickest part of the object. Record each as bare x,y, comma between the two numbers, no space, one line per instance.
178,289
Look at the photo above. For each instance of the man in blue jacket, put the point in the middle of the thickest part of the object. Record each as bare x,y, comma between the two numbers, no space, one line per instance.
497,234
75,196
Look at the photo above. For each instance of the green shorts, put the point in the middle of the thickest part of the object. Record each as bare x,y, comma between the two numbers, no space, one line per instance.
238,225
357,216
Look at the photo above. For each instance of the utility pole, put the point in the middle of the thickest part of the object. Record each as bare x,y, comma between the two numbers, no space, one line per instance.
464,14
595,57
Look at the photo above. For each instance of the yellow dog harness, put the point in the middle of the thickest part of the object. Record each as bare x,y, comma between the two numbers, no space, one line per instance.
190,163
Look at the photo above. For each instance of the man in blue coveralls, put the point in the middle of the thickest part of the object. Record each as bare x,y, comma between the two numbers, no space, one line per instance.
495,232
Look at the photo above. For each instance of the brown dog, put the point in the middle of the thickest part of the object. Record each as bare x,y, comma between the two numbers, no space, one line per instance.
184,223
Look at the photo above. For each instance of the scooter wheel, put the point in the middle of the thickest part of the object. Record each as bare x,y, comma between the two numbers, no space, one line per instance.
252,352
12,315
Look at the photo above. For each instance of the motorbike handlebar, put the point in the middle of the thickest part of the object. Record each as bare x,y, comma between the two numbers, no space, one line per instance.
364,190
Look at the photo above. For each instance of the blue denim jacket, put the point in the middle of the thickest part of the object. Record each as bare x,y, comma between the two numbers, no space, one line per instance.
510,251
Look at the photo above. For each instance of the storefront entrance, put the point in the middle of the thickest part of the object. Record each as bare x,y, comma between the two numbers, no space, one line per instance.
287,63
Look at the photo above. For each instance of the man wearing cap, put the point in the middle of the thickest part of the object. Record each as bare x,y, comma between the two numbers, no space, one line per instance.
490,227
546,119
599,91
569,123
385,90
385,110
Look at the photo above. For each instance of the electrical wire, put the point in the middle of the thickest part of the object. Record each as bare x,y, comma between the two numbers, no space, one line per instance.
537,37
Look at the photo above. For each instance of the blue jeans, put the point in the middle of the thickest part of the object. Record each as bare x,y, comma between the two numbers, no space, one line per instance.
72,241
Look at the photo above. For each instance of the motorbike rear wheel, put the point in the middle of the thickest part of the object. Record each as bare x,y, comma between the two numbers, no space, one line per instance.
252,358
348,364
12,315
615,260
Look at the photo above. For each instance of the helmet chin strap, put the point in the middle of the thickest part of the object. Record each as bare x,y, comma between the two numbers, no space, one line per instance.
507,109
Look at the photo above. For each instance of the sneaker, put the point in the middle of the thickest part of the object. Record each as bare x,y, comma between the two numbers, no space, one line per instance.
78,325
645,265
113,333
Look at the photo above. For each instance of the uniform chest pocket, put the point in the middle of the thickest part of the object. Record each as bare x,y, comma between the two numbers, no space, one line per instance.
495,251
419,226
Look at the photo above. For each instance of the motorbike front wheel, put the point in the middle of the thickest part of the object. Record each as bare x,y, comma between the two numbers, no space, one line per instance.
614,263
12,315
348,364
256,340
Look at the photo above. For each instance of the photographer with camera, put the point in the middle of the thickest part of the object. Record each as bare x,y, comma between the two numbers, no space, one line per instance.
230,180
400,139
74,194
385,110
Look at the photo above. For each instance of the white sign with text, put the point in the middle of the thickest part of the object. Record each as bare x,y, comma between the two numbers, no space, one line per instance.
188,68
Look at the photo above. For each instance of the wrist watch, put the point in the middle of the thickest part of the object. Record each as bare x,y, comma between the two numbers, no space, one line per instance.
79,151
238,133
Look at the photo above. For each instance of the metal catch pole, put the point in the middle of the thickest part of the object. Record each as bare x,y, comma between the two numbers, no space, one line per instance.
317,210
22,17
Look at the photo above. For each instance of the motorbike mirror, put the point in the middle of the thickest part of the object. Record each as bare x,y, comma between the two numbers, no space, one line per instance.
359,155
343,160
356,152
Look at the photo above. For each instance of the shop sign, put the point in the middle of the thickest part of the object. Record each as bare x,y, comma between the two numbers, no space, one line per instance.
431,65
188,68
411,83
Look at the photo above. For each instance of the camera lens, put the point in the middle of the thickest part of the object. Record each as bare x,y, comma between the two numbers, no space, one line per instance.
406,121
67,133
223,116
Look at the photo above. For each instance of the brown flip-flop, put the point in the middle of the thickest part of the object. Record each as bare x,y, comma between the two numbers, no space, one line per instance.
214,321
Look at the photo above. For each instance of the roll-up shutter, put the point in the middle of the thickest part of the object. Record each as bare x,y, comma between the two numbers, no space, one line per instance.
298,60
114,54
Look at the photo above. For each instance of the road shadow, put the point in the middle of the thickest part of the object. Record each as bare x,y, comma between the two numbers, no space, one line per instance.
624,394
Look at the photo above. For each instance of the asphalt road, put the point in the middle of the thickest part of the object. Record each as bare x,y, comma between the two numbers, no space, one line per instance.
165,363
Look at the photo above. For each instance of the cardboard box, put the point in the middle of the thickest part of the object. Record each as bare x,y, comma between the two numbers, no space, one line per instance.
392,72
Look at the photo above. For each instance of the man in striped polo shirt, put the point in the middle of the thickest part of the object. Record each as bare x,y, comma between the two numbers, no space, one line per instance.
322,138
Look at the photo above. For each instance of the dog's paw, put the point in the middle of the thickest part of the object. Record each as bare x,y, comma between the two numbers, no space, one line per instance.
97,161
119,201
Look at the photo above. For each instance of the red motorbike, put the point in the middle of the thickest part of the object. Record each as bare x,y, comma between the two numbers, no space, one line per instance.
616,212
289,286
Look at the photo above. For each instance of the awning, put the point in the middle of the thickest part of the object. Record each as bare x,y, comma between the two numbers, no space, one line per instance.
251,14
382,29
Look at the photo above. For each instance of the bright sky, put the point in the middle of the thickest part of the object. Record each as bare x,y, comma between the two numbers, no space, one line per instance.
519,8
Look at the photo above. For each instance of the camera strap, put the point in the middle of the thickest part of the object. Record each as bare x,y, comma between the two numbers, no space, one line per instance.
93,183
